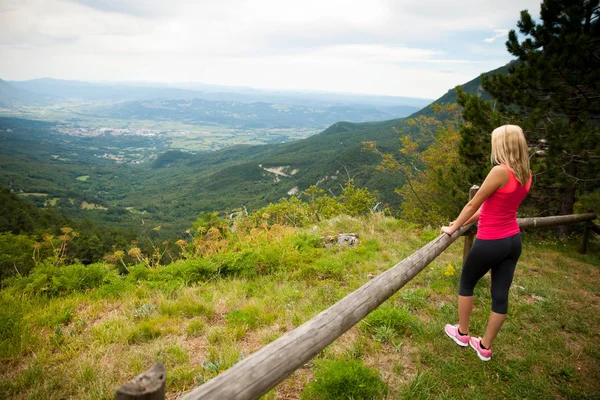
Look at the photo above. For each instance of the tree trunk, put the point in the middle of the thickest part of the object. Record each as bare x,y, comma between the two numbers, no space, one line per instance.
567,201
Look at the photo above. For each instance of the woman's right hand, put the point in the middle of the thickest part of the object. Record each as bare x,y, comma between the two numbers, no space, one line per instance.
447,230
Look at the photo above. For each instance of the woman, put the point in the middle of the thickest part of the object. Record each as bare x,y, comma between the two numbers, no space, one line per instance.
498,243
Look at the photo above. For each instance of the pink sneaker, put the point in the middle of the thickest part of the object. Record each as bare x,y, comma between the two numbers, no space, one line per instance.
452,332
483,354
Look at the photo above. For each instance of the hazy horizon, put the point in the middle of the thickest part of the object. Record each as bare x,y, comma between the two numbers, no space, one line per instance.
189,85
409,48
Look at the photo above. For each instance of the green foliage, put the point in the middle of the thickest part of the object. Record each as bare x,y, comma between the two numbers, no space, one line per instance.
353,201
143,332
139,272
11,328
87,243
69,333
250,317
195,328
187,307
208,221
15,254
322,206
589,202
356,201
188,271
144,311
481,118
306,241
552,92
387,317
343,380
51,280
292,211
172,197
414,299
435,189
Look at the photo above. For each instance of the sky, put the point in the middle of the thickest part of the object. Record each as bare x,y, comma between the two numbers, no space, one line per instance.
413,48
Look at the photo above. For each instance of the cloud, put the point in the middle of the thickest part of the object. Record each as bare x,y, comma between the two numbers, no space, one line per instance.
309,44
146,8
500,33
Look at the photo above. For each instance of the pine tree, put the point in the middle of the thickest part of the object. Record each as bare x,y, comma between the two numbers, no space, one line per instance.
553,91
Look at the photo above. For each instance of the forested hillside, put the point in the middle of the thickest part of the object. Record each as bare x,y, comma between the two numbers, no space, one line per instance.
171,188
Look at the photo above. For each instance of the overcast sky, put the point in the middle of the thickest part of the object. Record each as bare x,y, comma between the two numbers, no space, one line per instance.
418,48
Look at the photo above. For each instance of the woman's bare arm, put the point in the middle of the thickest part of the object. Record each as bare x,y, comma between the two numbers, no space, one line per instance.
496,178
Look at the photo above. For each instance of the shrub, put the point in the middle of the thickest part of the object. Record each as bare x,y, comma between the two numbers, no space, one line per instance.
357,201
143,332
53,280
79,277
15,254
244,263
189,271
195,328
144,311
397,319
115,288
292,211
343,380
138,272
307,241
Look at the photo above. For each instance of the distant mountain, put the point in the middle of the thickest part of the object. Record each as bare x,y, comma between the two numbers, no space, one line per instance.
86,91
206,104
12,96
113,91
247,115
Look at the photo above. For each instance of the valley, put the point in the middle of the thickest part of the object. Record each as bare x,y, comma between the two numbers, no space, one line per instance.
134,157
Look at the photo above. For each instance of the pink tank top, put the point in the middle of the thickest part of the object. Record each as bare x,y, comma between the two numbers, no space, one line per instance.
498,218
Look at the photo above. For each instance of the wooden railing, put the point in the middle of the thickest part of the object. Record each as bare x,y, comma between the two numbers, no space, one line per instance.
263,370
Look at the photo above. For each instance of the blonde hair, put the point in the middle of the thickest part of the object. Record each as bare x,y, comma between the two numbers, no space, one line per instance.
510,147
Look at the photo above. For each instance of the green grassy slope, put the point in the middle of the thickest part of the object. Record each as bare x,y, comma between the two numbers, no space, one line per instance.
93,334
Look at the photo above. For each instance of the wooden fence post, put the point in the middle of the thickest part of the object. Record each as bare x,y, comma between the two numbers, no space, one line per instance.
584,241
469,238
149,385
590,226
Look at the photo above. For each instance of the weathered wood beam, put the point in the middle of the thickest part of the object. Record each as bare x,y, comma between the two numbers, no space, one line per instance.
149,385
543,222
263,370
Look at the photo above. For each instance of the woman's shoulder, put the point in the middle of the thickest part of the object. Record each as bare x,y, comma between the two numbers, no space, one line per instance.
499,175
500,170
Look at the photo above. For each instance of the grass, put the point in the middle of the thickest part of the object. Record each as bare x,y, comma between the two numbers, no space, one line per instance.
87,342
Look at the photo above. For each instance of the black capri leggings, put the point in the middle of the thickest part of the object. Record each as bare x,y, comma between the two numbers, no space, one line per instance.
501,257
